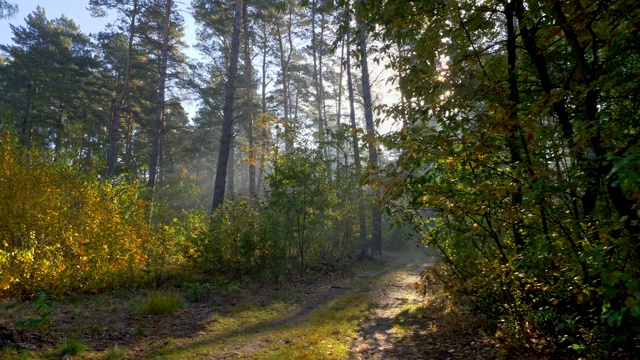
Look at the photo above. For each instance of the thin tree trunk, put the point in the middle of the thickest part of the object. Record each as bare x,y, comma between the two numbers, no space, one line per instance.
284,69
231,174
117,104
248,76
316,73
376,211
323,106
339,111
364,245
227,116
263,101
158,124
128,146
512,107
285,61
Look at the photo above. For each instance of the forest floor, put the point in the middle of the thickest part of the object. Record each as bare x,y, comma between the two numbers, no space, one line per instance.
371,312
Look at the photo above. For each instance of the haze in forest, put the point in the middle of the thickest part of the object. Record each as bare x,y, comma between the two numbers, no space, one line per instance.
314,135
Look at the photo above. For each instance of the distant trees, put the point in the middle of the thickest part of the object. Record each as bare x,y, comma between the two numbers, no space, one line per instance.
130,10
294,83
376,209
47,82
101,102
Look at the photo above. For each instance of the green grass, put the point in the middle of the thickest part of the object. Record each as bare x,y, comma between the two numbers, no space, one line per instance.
257,326
10,352
71,348
326,334
159,303
115,352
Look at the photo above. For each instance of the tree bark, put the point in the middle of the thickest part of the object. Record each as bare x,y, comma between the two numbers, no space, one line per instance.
317,73
265,45
376,211
512,109
227,116
285,60
248,76
158,124
339,110
364,245
231,173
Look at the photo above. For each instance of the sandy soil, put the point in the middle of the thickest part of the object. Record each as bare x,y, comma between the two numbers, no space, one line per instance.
394,292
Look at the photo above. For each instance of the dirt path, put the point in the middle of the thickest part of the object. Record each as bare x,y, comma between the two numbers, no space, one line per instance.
236,326
389,276
402,265
378,337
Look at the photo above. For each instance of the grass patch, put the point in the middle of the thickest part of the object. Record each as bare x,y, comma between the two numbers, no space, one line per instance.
159,303
115,352
71,348
10,352
402,322
326,334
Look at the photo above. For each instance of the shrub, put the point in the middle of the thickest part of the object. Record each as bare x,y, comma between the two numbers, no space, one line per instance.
62,229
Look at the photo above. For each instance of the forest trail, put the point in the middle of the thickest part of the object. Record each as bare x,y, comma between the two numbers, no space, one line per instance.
338,317
402,267
378,338
389,285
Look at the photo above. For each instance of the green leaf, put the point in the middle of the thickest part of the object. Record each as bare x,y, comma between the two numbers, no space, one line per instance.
614,319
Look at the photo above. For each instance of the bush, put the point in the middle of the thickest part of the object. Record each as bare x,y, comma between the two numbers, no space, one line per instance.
62,229
301,221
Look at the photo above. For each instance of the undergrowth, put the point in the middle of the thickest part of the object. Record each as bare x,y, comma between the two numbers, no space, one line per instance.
159,303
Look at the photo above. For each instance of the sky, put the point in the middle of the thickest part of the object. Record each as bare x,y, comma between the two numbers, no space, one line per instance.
76,10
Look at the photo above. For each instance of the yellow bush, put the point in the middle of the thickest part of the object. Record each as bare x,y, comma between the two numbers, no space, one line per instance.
63,230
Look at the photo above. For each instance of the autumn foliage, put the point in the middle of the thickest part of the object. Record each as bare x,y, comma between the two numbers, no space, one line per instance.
62,229
518,160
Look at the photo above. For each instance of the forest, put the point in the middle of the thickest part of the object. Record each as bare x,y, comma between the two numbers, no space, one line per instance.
310,135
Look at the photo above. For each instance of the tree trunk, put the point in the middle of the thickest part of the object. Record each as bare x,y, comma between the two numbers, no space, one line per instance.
231,173
158,124
117,104
376,211
227,116
316,74
285,60
265,47
364,245
248,76
339,111
514,129
128,145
